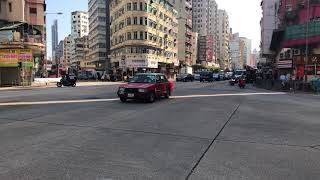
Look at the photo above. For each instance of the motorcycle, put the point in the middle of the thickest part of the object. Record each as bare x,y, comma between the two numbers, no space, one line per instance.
242,83
67,82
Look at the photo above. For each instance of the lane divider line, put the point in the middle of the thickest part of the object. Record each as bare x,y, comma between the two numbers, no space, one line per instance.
117,99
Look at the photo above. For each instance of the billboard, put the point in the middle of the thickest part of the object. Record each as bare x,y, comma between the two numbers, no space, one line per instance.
11,57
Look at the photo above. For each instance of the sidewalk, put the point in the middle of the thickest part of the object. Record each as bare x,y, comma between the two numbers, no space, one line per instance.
46,84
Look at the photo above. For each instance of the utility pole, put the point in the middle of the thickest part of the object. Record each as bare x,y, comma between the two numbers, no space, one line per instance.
307,39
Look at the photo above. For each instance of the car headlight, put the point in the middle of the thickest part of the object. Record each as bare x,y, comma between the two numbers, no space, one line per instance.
122,89
141,90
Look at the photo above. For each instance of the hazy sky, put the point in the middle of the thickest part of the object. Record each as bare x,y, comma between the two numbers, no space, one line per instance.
244,16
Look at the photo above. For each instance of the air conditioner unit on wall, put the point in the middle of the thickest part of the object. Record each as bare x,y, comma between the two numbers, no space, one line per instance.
296,52
281,56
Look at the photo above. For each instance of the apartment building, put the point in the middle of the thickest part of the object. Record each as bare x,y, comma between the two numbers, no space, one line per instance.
99,33
185,35
144,36
79,24
268,24
223,41
205,22
22,35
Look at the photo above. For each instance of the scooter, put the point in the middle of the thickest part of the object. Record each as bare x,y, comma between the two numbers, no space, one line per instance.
242,83
232,82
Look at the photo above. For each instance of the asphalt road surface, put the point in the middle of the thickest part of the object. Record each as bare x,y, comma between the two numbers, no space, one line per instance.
206,131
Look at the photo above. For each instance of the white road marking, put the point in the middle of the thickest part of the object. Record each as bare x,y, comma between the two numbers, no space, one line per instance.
116,99
219,95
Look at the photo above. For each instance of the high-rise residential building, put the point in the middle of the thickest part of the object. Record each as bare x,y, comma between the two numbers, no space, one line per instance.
59,52
22,35
99,34
247,47
143,36
185,46
268,24
67,50
223,41
79,24
205,22
79,50
194,47
235,52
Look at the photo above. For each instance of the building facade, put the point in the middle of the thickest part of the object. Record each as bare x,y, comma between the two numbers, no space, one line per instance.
194,48
223,41
247,49
79,24
68,41
144,36
22,41
235,52
185,46
54,38
268,24
296,40
99,36
205,22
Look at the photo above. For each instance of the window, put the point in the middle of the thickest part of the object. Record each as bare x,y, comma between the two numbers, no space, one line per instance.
135,6
146,21
128,21
10,7
129,7
150,36
135,20
33,10
141,20
141,6
141,35
146,35
135,35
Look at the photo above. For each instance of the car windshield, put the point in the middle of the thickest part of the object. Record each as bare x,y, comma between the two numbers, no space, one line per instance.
143,79
239,73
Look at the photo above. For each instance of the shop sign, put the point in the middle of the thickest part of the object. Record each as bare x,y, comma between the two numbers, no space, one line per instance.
137,63
284,64
310,70
11,57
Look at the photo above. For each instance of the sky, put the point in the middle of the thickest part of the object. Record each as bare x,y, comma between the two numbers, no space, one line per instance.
244,17
64,21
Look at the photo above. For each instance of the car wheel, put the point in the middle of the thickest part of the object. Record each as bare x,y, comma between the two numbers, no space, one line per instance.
152,97
123,99
168,94
59,84
74,84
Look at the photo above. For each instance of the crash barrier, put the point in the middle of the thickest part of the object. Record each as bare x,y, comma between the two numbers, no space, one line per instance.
278,85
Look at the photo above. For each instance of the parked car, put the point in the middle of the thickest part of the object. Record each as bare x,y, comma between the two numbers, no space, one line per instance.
222,76
147,87
185,78
196,77
206,76
216,76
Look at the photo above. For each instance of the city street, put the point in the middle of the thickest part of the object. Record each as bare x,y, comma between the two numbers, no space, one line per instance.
205,131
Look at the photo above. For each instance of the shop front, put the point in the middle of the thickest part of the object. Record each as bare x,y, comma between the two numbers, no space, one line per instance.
16,67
